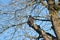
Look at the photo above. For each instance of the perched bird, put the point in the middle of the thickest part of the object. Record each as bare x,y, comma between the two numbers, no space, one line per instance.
30,20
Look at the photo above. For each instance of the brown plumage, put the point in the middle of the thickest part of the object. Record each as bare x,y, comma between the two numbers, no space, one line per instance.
30,20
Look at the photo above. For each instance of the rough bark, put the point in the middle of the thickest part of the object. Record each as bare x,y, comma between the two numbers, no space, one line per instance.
54,13
56,22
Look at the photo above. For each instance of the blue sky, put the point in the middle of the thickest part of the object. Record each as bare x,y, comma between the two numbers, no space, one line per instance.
5,2
9,33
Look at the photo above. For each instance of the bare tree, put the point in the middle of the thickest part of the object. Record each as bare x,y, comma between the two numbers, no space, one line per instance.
29,9
54,7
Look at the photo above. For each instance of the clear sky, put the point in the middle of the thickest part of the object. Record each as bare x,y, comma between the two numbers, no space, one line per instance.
5,21
5,2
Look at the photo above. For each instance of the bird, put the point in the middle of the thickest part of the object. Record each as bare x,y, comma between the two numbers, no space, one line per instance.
30,21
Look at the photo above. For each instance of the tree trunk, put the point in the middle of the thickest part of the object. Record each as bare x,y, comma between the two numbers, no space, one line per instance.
56,22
